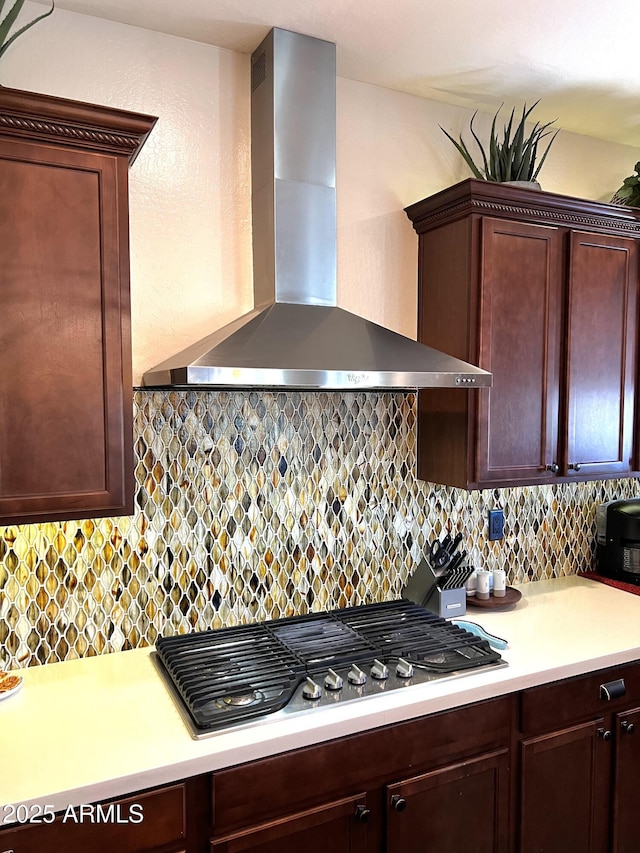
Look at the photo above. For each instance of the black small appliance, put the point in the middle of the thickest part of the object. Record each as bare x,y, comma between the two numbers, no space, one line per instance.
618,540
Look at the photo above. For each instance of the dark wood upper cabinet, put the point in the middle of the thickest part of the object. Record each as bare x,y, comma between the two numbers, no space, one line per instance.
541,290
66,444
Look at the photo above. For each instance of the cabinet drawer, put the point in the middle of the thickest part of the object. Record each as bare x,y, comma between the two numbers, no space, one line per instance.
561,703
305,777
339,826
141,822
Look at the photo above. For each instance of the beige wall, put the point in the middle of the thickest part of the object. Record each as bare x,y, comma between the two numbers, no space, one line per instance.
190,187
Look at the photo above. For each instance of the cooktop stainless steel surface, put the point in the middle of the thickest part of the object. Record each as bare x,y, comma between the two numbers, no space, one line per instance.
254,673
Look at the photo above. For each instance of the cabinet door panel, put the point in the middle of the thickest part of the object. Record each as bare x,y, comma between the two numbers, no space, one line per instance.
603,280
627,779
65,395
332,827
140,823
459,807
564,792
519,344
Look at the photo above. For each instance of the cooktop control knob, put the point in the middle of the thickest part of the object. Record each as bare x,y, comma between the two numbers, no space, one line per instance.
404,669
332,680
379,670
356,675
311,690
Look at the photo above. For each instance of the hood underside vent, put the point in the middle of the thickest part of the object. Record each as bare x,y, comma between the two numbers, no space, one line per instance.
297,336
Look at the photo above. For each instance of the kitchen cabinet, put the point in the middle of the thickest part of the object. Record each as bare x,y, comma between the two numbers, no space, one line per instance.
551,769
541,290
152,821
340,825
459,807
342,795
406,787
66,442
579,760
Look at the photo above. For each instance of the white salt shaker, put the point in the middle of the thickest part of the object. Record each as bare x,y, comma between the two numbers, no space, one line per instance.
483,585
499,583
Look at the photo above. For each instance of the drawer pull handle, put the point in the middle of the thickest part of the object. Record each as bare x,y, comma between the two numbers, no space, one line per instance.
605,734
613,689
363,814
398,804
554,468
627,727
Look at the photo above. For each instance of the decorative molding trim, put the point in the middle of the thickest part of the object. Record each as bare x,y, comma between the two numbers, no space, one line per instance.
83,135
565,217
540,214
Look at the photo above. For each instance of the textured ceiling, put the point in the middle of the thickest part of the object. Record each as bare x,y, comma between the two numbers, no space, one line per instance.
578,56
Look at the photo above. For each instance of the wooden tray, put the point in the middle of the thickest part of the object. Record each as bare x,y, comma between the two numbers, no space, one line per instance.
510,599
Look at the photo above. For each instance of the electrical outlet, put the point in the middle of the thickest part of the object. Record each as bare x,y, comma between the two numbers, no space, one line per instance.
496,524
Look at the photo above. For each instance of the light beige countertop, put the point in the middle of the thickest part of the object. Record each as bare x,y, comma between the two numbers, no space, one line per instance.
86,730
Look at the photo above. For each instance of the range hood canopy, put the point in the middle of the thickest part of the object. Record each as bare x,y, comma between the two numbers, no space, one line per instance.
296,336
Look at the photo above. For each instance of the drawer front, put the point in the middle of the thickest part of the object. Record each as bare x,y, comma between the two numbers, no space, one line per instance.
339,826
300,779
143,821
555,705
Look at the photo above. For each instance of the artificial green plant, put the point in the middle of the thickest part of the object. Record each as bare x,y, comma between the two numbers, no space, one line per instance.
512,158
9,20
629,192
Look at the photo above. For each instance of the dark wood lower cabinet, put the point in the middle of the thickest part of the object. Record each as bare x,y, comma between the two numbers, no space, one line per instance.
554,769
624,828
153,822
580,764
564,805
340,827
464,806
430,784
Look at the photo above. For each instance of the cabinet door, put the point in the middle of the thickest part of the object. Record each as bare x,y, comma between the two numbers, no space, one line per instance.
65,393
601,361
462,806
564,791
339,826
143,822
627,781
520,319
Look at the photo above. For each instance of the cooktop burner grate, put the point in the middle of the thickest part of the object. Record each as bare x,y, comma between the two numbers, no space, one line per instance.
232,675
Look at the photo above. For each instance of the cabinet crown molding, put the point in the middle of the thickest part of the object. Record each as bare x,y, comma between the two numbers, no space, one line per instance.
36,117
525,205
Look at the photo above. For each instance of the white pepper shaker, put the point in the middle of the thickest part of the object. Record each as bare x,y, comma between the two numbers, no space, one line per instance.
499,583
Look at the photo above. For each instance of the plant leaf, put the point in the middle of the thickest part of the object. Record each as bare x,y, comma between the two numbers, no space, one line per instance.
462,148
479,144
10,19
544,156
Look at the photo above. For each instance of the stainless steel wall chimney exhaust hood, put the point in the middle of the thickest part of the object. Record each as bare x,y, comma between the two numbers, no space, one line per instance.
296,336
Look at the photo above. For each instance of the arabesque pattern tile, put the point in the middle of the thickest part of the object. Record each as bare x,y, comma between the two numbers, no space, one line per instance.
254,505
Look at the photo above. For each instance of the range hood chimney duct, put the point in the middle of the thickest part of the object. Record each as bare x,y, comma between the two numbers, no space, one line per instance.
296,336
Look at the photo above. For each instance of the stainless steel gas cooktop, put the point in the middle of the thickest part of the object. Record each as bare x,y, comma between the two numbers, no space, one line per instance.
235,676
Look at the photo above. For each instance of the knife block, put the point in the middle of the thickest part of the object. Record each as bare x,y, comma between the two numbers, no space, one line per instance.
422,588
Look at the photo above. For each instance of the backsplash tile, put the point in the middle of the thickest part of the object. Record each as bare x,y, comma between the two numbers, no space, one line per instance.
254,505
